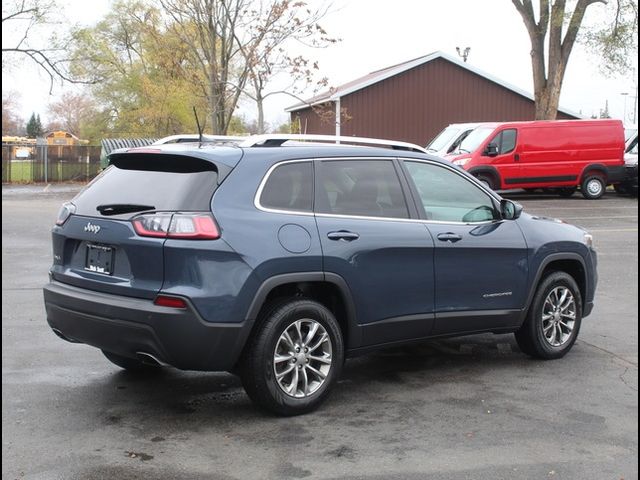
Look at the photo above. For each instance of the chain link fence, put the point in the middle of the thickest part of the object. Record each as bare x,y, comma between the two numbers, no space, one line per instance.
49,163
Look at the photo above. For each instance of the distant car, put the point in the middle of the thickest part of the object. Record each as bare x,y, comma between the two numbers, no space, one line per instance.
561,155
194,138
449,139
630,184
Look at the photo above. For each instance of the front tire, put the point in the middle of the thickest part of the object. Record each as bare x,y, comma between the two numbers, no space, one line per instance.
593,187
293,359
554,318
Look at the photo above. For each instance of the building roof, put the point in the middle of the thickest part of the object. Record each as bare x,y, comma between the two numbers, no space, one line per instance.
380,75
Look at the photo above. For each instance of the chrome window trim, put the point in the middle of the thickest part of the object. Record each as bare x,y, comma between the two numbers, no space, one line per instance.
256,199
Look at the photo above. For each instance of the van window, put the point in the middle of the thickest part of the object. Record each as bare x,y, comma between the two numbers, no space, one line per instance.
443,139
289,187
369,188
505,141
474,139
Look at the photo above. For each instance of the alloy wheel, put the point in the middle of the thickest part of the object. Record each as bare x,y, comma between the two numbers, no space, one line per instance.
558,316
302,358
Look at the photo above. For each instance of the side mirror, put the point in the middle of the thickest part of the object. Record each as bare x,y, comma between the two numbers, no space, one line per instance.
491,150
510,210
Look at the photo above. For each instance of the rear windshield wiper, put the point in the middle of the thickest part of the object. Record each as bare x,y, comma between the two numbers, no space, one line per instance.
118,208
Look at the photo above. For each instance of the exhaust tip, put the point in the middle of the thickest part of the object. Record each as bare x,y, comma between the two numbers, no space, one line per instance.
151,359
63,336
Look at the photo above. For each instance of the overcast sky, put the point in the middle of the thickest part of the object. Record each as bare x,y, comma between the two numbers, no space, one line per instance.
376,34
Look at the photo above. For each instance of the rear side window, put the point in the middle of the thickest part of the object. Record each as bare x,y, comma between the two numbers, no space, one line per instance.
505,141
289,187
164,182
368,188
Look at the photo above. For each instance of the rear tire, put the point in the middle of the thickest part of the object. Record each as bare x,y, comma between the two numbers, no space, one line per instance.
130,364
282,369
593,186
554,318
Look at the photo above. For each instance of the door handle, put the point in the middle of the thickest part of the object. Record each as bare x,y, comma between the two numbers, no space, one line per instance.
343,235
449,237
516,157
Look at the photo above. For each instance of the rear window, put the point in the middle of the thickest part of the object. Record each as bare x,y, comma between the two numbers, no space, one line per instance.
289,187
164,182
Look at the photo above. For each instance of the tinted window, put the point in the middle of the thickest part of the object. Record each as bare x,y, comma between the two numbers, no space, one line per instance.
360,187
508,142
155,182
289,187
448,197
505,141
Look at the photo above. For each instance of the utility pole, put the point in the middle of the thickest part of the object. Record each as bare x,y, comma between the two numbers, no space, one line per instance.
464,54
624,97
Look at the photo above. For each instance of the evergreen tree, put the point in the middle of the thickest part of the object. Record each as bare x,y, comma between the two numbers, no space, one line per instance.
39,127
32,127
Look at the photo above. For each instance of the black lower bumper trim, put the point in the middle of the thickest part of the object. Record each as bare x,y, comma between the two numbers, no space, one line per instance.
126,326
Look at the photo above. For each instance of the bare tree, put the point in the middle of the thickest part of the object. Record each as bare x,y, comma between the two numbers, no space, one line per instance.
22,18
12,124
562,29
207,27
266,31
71,111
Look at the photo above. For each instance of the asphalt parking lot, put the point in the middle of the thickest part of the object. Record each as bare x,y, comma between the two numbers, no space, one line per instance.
471,407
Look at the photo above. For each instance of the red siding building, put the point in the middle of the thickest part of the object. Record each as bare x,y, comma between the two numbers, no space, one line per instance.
415,100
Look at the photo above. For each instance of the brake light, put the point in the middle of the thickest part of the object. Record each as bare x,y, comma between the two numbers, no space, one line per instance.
171,302
191,226
65,212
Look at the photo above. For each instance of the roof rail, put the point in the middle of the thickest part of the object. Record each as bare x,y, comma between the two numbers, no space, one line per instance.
277,140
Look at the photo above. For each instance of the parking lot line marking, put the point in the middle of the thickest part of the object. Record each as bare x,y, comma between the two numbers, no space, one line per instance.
607,230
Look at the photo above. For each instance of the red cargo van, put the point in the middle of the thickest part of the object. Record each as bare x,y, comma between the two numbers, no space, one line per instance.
562,155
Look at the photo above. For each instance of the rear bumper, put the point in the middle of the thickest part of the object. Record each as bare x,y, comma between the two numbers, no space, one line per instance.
129,326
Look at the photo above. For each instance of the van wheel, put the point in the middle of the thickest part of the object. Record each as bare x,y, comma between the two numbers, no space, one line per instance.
130,364
593,187
567,192
291,362
554,318
487,181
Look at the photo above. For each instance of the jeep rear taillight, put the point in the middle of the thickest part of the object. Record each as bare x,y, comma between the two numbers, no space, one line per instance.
65,212
188,226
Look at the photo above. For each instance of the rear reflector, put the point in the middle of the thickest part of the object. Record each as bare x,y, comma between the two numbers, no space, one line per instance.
190,226
171,302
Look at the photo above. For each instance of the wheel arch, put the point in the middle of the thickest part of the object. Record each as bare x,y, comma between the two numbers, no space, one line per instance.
329,289
595,168
487,170
571,263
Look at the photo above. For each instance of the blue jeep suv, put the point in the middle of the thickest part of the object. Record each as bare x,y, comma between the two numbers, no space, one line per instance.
277,261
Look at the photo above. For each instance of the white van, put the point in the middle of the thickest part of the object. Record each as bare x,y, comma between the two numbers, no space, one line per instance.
449,138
